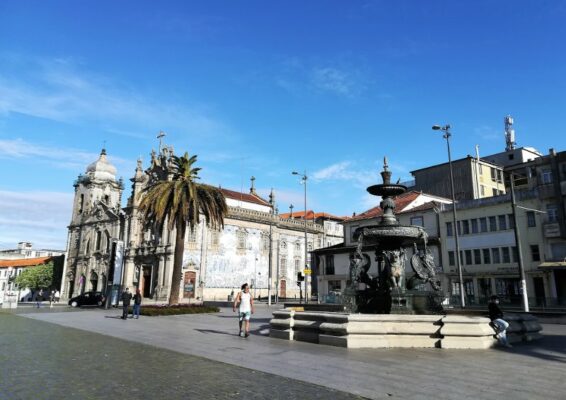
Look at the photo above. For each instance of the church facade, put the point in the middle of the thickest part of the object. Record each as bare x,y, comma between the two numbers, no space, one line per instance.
109,245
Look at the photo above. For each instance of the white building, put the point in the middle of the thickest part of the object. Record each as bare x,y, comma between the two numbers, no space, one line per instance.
255,245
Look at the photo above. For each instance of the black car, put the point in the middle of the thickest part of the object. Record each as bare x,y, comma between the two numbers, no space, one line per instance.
88,299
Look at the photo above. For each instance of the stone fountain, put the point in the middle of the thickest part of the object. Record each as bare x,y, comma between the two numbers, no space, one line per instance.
388,310
389,291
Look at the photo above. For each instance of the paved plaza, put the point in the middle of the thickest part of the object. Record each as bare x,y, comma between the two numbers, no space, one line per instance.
201,355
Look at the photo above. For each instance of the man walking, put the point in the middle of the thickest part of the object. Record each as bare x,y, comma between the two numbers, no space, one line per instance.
245,302
126,297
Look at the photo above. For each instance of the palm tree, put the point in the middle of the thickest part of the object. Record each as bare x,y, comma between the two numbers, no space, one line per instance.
179,202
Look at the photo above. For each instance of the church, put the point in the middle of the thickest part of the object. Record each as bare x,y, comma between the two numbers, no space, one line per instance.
109,247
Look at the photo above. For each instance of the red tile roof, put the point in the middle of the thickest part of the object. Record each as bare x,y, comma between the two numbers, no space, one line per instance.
25,262
401,202
247,197
310,215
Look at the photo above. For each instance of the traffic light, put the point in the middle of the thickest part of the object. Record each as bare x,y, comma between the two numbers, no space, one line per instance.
300,277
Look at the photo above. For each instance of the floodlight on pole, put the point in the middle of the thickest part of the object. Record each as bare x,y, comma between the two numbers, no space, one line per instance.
446,135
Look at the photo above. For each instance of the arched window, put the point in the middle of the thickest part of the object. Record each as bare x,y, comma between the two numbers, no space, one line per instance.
192,235
81,203
98,239
265,241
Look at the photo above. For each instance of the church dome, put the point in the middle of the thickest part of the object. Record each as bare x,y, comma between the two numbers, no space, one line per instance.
101,169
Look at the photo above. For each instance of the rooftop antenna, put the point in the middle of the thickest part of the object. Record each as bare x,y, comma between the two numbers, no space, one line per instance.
509,134
160,137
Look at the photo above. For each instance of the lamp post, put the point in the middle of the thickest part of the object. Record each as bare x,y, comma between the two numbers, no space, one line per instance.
304,181
518,244
447,134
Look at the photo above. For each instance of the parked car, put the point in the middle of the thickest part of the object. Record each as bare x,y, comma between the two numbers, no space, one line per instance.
88,299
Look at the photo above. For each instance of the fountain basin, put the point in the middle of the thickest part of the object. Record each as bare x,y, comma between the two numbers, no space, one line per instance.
395,235
395,330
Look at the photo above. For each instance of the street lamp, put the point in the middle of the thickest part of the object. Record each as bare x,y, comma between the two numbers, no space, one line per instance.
6,289
304,181
518,244
447,134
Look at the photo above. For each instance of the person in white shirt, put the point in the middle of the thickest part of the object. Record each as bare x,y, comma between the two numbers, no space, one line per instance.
245,304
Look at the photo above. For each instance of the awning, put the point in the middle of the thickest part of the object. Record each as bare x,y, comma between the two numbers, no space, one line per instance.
553,265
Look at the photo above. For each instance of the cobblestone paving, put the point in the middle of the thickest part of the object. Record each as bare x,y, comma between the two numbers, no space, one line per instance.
40,360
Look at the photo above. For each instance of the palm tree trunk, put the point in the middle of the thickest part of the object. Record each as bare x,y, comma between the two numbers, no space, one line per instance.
177,263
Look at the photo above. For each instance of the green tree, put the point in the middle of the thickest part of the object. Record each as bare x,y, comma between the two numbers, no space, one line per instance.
179,202
38,277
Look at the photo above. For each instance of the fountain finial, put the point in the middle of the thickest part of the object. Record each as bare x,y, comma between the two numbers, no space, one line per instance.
386,174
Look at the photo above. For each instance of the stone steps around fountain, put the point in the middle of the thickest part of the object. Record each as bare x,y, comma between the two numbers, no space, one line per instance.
398,330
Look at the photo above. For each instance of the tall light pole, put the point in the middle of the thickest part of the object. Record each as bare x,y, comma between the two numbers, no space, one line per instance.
304,181
447,134
518,244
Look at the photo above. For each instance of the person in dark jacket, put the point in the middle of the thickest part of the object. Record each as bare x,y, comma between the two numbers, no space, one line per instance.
497,321
126,297
137,304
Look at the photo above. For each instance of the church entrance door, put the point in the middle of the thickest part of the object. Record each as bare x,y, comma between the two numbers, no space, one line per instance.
145,280
283,289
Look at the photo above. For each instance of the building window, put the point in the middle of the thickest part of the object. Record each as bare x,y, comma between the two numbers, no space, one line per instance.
98,239
486,256
506,255
81,203
552,212
477,256
297,265
193,235
535,253
449,231
492,224
265,241
214,238
283,264
468,254
515,254
334,286
329,264
241,235
483,224
455,288
511,221
475,226
482,190
493,175
495,255
451,258
466,227
531,221
546,176
418,221
502,222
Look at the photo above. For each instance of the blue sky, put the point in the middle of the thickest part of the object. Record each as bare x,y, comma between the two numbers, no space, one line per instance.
264,88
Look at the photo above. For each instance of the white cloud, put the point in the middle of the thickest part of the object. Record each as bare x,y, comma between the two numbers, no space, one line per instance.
56,90
38,217
67,158
346,171
337,81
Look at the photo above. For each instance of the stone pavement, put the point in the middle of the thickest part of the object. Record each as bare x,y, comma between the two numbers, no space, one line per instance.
528,371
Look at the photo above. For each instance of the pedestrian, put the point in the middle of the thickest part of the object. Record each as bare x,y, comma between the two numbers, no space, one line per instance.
39,298
126,297
245,304
51,298
497,322
57,296
137,304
